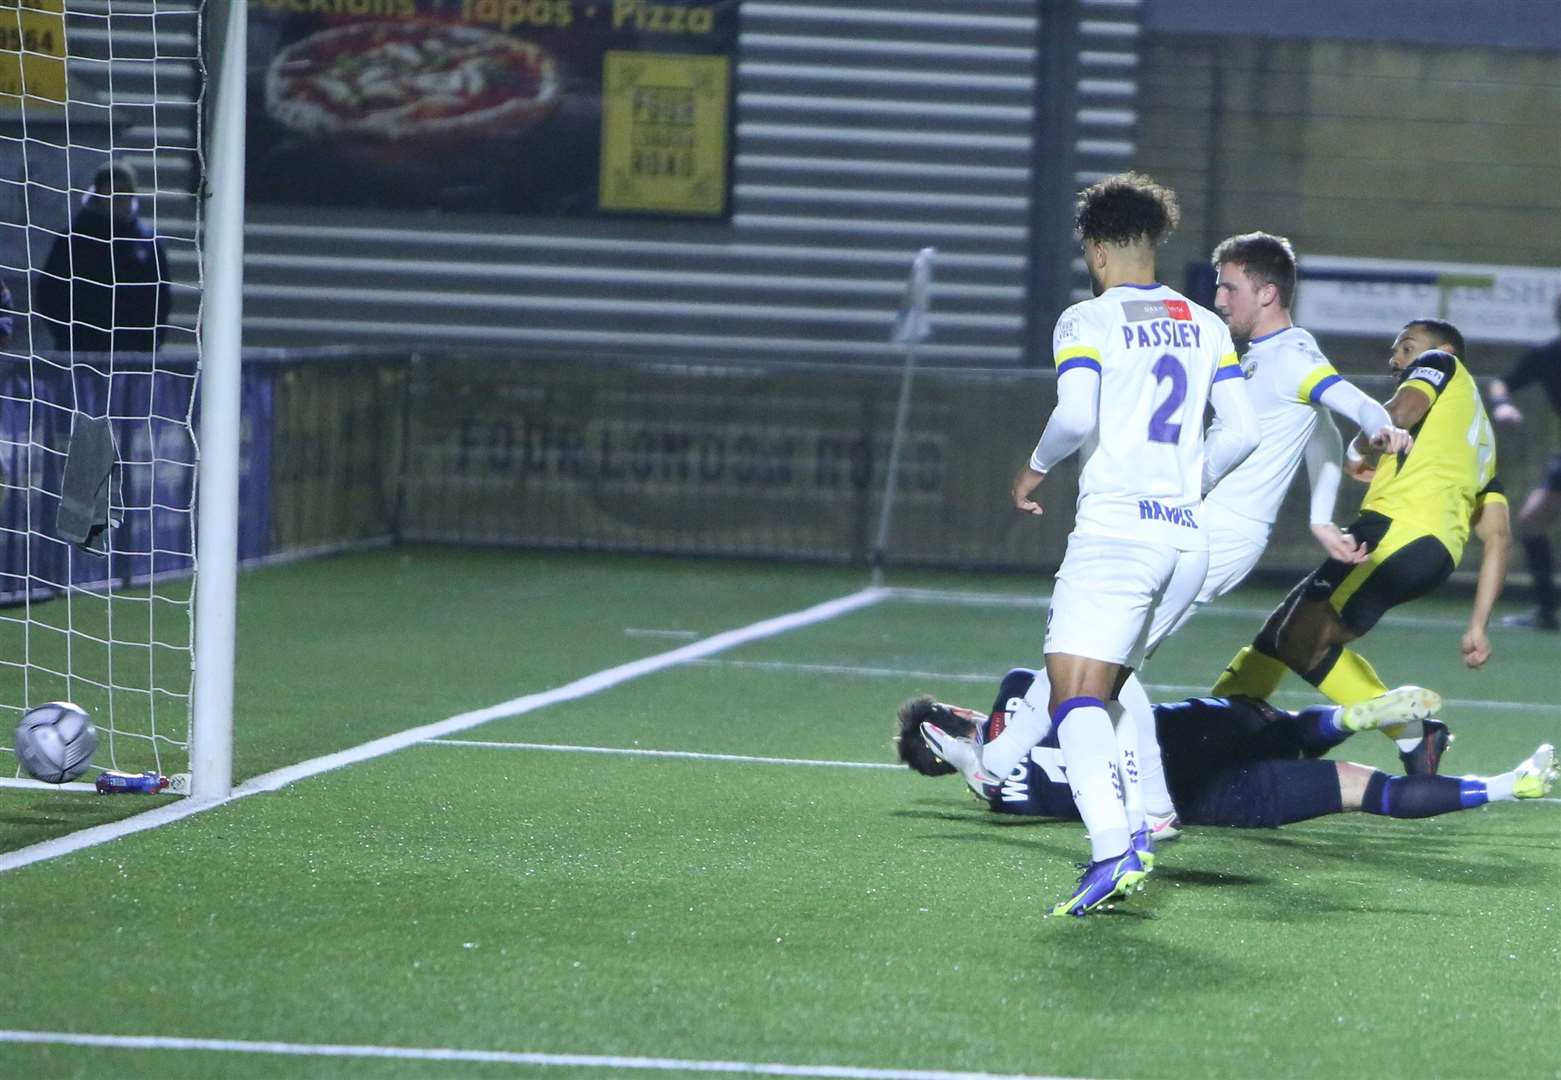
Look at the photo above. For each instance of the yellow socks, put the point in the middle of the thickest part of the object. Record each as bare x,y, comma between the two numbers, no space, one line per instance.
1350,678
1250,673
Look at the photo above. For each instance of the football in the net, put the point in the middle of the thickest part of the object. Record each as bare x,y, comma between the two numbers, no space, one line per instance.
55,742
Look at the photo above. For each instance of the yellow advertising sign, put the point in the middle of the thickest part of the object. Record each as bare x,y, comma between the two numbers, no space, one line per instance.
664,132
32,48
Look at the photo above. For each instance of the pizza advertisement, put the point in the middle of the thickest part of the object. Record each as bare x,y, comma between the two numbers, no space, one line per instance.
550,107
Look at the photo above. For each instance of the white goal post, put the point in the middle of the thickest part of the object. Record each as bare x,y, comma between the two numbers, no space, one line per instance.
121,246
221,341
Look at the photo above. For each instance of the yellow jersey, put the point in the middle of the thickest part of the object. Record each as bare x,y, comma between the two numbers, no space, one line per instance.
1451,469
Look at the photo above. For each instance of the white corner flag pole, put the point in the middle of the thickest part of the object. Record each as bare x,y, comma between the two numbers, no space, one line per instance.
216,519
911,328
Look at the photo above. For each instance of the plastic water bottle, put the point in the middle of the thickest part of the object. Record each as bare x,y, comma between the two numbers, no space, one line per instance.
110,782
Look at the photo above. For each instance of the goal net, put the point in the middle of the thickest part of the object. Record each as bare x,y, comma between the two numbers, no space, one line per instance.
100,115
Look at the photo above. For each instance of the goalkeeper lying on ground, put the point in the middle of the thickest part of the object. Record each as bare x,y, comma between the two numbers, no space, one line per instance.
1237,762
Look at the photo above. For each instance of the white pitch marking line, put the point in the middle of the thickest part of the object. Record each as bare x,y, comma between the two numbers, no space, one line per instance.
500,1057
994,678
590,684
39,785
637,752
636,631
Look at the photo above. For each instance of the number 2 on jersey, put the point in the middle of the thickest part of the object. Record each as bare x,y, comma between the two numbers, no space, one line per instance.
1161,427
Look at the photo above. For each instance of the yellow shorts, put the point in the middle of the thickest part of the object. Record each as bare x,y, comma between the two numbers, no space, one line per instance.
1405,563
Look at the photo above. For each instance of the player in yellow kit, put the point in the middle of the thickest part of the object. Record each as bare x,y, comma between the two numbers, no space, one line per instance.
1415,520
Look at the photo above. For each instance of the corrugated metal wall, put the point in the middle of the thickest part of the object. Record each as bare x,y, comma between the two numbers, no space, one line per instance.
865,131
133,78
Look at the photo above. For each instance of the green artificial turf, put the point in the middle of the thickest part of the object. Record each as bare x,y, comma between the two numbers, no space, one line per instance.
570,903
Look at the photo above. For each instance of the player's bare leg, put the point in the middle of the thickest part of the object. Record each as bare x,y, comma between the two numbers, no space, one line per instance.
1308,633
1256,670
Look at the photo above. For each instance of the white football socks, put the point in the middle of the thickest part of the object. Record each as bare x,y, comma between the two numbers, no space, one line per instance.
1026,722
1498,788
1089,749
1151,766
1127,764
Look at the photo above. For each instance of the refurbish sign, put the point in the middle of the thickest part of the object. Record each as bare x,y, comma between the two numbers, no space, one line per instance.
572,107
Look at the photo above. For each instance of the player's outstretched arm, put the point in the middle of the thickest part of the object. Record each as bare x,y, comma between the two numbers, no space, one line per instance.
1378,429
1323,450
1492,524
1406,409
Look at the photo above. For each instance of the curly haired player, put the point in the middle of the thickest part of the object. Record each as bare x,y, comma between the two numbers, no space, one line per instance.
1136,367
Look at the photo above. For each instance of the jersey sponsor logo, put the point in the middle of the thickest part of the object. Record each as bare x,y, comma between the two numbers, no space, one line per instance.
1143,310
1431,375
1150,510
1162,333
1148,310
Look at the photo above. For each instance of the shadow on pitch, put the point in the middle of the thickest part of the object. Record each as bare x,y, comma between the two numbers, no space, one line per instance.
1418,857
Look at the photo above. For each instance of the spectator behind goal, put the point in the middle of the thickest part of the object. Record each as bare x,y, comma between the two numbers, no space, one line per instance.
105,285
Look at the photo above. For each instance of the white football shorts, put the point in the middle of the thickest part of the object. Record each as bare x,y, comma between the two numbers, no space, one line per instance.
1235,546
1108,591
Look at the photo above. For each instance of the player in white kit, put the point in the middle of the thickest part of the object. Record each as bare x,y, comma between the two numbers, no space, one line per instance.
1292,386
1136,367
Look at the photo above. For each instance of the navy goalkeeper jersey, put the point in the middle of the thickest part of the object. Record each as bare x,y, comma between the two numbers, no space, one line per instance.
1038,786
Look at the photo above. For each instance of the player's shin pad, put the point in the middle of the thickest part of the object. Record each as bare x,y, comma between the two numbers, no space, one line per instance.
1089,750
1151,766
1251,673
1027,724
1127,764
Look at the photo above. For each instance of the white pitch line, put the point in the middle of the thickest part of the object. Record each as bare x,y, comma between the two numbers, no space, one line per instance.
995,677
39,785
637,752
852,669
590,684
636,631
498,1057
